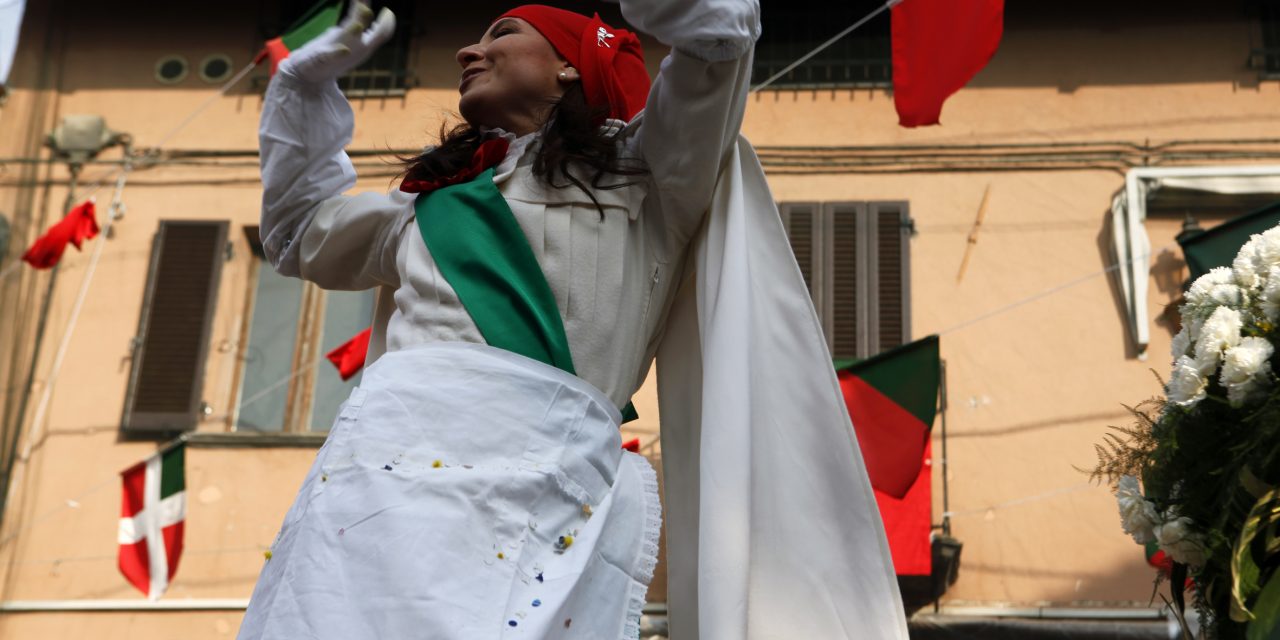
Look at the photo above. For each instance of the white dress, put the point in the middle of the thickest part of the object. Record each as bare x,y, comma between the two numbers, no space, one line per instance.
466,492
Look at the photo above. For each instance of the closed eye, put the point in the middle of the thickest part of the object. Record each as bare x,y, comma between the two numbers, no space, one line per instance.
504,27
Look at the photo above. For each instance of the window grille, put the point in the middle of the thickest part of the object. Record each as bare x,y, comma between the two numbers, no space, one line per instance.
385,73
1266,57
793,29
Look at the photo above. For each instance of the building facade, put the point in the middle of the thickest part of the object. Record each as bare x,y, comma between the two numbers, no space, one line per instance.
1010,230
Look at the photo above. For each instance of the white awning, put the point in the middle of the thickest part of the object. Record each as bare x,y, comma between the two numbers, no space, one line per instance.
1132,248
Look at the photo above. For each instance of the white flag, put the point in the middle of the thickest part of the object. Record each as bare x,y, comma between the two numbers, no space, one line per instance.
10,24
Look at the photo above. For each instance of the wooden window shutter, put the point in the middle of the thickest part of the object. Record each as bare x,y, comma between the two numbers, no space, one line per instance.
845,313
892,296
173,333
799,219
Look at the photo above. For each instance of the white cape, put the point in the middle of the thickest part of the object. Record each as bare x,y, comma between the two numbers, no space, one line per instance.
773,529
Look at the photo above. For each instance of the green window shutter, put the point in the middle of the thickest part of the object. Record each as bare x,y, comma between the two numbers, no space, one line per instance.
173,335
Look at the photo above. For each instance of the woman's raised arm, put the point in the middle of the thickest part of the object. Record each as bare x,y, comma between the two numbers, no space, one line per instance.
308,228
696,105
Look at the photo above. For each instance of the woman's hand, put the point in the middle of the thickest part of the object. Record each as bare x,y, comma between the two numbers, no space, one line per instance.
342,48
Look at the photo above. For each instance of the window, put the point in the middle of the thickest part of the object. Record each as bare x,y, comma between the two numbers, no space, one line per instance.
173,333
855,259
285,382
385,73
1266,58
793,29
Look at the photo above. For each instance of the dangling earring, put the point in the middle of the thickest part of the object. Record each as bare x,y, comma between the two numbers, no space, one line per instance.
564,75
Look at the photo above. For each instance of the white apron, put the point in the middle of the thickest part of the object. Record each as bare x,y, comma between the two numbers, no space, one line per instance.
465,492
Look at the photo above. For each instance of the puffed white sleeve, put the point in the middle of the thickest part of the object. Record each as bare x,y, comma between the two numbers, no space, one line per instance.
695,107
309,229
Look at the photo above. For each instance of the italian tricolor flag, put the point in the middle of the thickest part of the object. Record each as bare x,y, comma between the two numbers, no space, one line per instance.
321,16
151,518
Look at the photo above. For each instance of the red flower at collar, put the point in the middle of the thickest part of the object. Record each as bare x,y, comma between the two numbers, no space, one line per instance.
489,153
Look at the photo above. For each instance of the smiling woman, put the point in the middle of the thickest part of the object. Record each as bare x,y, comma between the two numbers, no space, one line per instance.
473,486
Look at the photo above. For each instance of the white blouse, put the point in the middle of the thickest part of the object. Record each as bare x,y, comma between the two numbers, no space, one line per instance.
612,277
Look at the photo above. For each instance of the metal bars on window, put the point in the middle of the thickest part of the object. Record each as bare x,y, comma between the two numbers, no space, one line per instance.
1266,57
790,30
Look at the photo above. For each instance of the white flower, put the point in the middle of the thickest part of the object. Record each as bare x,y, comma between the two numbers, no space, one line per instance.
1219,333
1271,295
1227,295
1193,325
1186,385
1177,538
1266,253
1181,343
1138,515
1198,293
1245,265
1246,368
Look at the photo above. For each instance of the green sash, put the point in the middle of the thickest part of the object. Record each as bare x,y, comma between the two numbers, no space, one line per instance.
484,255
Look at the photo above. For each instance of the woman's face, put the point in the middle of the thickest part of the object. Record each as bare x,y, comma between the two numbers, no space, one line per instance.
511,77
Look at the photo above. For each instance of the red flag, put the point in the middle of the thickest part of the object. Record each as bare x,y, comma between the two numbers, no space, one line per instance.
349,356
938,46
77,226
908,523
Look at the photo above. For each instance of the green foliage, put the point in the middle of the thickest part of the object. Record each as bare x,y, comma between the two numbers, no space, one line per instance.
1266,623
1219,466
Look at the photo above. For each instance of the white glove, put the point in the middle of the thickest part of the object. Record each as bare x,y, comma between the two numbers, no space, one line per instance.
342,48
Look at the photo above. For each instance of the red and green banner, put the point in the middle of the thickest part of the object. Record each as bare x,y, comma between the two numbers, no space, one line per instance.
892,399
153,510
319,17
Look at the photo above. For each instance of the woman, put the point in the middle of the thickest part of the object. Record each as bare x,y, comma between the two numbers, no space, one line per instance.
474,487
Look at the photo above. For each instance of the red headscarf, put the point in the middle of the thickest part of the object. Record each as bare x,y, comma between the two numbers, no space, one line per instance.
609,60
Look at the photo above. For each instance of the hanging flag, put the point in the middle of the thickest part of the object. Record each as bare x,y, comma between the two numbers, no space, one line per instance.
10,25
315,21
938,46
151,520
908,522
892,398
77,226
349,356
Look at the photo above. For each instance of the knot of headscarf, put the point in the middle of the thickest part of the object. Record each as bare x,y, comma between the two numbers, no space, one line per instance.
488,154
610,61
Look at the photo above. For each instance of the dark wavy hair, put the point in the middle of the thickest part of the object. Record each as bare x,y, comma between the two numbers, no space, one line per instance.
571,138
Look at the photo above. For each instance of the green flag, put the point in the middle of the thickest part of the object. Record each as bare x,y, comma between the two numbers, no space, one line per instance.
892,399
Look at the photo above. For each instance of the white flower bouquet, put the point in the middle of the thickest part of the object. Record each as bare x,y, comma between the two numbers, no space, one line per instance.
1199,474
